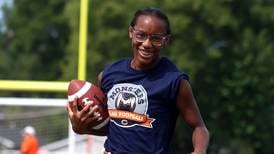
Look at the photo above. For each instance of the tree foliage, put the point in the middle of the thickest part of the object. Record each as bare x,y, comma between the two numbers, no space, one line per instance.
36,36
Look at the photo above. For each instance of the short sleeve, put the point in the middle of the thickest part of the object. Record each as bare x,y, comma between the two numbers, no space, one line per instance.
176,84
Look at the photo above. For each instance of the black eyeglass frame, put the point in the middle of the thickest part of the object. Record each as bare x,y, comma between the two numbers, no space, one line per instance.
163,37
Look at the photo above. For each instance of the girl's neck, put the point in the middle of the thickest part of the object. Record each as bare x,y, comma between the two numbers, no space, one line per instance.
143,67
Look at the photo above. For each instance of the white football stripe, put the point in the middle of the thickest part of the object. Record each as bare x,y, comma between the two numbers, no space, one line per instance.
80,92
102,124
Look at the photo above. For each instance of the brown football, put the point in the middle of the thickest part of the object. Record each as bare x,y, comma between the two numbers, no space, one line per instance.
86,93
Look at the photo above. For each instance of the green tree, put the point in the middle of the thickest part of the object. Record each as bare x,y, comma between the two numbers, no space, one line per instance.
38,34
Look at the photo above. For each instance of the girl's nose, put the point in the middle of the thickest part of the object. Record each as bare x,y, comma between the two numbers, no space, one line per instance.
147,43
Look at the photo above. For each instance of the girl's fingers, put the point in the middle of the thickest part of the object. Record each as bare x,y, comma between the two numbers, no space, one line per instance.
74,107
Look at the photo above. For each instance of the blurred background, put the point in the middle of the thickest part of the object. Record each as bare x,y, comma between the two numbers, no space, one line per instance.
226,47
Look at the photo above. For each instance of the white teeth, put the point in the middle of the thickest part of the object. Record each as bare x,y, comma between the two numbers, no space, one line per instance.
145,54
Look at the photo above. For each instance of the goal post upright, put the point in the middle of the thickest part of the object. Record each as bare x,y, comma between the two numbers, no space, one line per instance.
83,30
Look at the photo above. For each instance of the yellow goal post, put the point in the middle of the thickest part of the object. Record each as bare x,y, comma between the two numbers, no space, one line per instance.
57,86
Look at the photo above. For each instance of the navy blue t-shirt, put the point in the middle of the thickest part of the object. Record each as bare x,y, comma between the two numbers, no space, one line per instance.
142,107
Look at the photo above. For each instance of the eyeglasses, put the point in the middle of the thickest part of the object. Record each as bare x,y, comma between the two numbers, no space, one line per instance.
155,39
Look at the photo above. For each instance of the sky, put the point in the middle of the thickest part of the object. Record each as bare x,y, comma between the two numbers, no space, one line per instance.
3,2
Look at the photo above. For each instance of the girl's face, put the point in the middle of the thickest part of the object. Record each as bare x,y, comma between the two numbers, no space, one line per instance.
148,38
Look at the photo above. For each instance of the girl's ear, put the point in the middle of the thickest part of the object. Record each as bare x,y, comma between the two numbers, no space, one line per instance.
130,32
167,40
